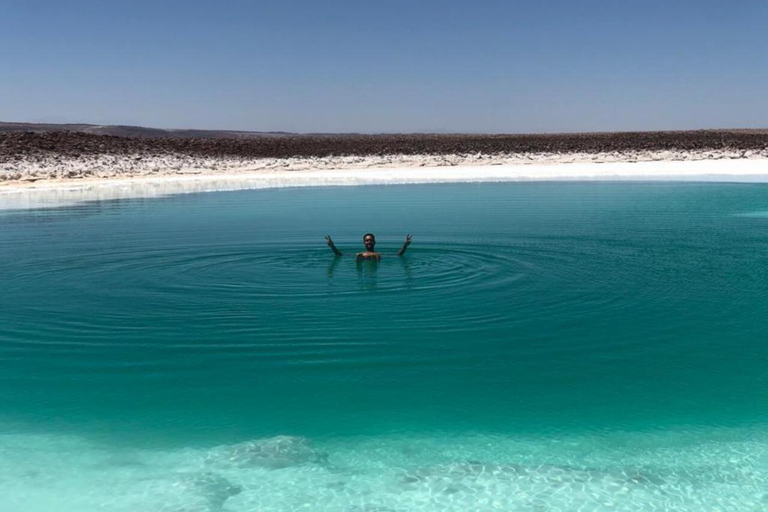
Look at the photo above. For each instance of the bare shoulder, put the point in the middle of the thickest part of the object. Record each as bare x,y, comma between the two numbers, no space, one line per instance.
368,256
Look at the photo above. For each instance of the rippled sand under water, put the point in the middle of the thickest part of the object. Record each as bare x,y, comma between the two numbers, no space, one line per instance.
707,471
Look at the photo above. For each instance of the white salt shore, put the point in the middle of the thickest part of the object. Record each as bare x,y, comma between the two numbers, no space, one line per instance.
373,171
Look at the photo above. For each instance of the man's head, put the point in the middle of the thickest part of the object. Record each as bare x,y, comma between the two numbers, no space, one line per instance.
369,241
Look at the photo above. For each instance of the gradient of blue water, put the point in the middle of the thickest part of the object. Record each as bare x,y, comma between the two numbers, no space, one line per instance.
605,338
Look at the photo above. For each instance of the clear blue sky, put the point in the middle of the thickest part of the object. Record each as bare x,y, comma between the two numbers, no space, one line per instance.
387,66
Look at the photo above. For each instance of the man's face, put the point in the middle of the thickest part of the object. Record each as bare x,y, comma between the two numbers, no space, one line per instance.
369,242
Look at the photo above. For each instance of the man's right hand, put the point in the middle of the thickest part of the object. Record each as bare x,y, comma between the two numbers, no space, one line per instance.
332,245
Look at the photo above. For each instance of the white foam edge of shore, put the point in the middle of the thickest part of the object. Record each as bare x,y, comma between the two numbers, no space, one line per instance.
49,194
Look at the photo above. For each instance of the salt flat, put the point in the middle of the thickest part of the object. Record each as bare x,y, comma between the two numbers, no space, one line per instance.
359,171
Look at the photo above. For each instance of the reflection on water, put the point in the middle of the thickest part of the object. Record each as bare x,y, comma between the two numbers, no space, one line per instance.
406,265
368,270
333,263
367,273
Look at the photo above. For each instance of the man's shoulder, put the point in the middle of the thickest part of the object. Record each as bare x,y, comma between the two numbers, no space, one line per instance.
368,256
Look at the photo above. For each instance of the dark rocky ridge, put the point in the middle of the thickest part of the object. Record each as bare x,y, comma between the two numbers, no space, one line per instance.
133,131
61,144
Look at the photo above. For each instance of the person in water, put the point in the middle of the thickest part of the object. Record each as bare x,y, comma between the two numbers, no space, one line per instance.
369,241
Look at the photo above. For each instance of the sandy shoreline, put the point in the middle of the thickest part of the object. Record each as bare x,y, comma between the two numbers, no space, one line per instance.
226,174
60,168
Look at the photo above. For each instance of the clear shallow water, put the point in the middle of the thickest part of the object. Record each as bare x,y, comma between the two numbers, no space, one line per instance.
541,347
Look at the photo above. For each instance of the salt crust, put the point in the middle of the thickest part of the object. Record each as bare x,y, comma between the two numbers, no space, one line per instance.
34,184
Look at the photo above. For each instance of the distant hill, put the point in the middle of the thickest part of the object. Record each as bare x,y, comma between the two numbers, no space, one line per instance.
136,131
141,132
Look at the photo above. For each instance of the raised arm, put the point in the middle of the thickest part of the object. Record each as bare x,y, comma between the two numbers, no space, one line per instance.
333,247
405,245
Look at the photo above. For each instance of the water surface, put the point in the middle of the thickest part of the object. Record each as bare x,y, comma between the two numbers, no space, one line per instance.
541,346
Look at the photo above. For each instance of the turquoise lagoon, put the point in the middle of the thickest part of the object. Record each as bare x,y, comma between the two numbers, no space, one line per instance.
541,347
